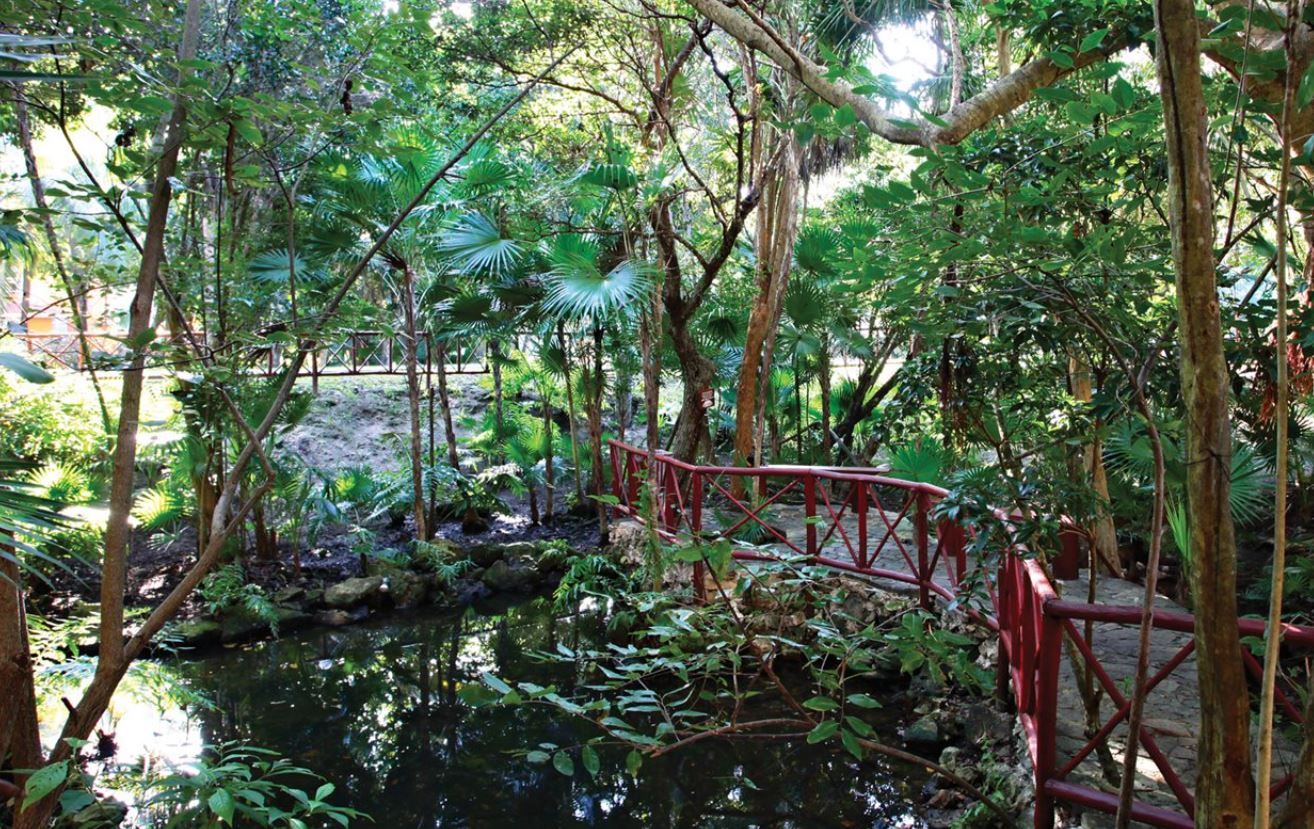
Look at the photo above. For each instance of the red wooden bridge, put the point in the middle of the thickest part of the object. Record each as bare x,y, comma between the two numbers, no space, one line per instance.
863,522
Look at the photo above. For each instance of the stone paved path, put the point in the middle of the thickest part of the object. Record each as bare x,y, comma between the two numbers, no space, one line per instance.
1172,709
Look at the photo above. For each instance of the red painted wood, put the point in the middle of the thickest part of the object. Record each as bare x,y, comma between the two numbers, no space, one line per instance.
1027,613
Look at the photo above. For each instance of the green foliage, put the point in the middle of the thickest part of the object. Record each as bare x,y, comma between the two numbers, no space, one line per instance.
227,590
923,647
923,461
240,784
58,428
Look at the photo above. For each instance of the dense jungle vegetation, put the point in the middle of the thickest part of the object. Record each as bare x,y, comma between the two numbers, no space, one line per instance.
317,309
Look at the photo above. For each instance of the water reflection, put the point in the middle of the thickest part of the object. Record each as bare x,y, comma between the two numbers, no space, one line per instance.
374,708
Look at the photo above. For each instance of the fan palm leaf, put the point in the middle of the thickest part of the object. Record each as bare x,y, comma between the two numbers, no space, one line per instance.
476,245
578,289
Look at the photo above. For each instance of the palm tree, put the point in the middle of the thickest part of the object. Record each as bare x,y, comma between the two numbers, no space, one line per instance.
582,288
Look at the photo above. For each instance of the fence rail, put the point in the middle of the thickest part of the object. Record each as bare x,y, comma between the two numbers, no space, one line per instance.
855,520
355,353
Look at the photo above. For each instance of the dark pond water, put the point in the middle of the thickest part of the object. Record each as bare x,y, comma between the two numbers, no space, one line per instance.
374,708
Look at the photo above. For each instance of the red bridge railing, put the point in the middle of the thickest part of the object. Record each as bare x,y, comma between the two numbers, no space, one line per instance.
851,520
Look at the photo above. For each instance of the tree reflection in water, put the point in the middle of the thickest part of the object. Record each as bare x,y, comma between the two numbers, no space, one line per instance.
374,709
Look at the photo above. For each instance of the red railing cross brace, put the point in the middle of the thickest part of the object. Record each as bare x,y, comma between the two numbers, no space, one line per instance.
1030,618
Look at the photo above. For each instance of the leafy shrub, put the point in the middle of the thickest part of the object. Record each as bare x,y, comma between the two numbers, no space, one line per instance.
46,426
227,589
245,786
80,543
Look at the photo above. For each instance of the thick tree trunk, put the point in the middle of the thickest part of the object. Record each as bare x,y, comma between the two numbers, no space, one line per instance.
1224,792
413,403
20,740
696,373
777,230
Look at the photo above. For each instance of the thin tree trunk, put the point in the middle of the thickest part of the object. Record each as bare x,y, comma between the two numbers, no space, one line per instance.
1273,632
1104,537
96,698
413,403
112,661
775,249
1135,714
596,388
823,383
570,410
549,475
445,406
1224,790
76,305
495,361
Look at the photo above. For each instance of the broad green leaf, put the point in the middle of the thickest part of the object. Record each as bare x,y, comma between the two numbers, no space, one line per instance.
824,731
221,803
561,762
27,370
851,743
589,758
44,781
495,683
821,704
1093,40
862,701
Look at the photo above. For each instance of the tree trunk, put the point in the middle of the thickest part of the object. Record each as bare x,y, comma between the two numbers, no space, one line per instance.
76,302
112,661
413,403
823,384
495,363
445,407
570,410
549,475
696,373
20,740
596,385
1224,791
1103,535
777,231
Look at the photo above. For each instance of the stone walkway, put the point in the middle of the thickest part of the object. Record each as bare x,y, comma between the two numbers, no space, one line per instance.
1172,711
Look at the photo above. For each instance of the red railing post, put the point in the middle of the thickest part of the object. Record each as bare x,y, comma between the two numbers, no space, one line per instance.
862,524
669,483
617,485
1046,710
923,549
1068,563
696,525
810,511
696,503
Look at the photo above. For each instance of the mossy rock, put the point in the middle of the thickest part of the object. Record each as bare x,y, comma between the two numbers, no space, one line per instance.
198,633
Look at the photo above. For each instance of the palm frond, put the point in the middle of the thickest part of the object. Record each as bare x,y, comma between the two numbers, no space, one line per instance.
476,245
577,288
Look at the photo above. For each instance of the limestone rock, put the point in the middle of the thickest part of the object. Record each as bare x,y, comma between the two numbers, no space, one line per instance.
517,575
370,590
